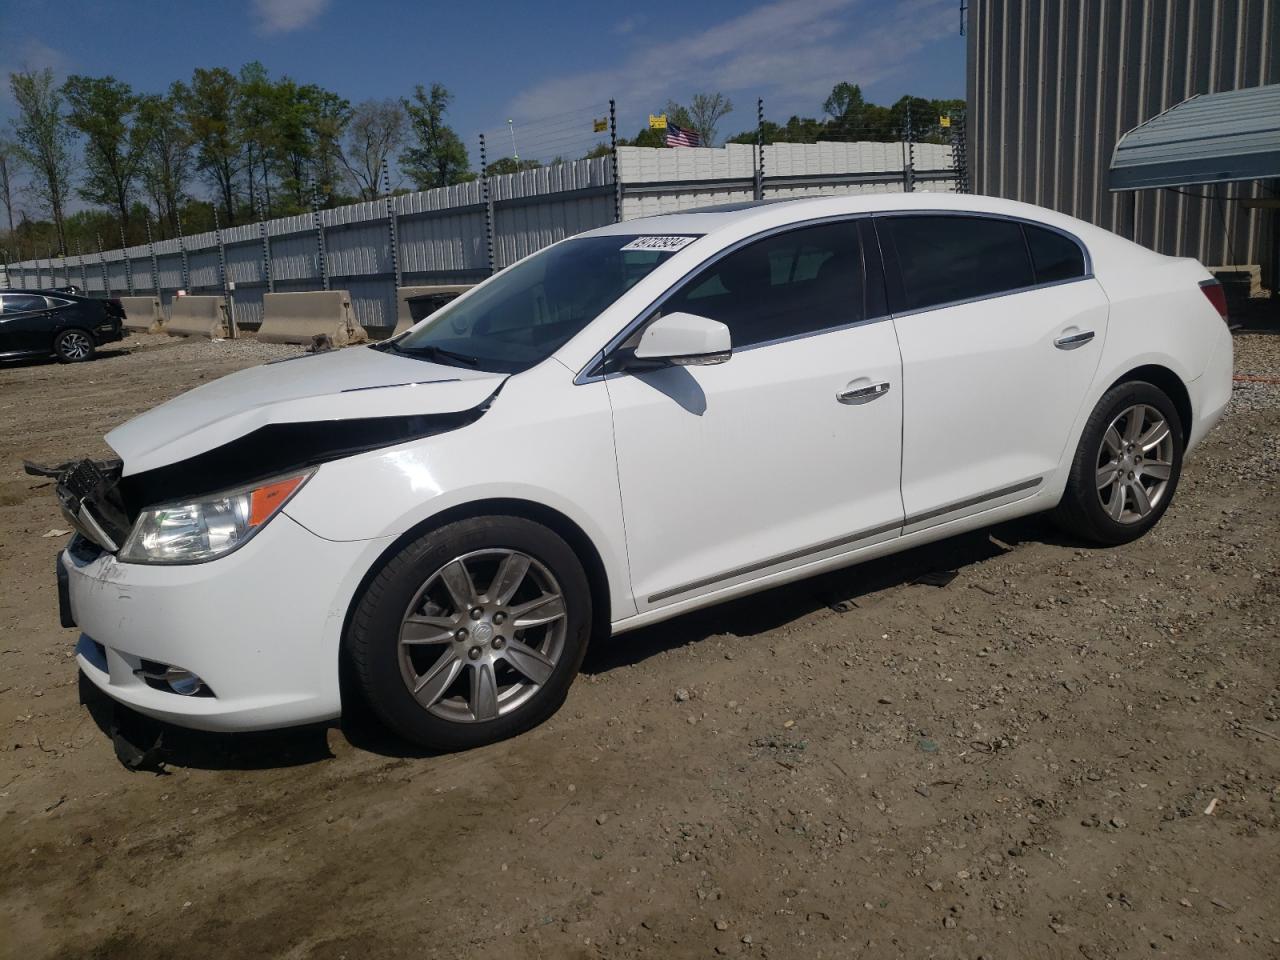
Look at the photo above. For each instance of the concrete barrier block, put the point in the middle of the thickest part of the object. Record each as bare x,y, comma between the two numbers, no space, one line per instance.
301,317
404,317
197,317
143,314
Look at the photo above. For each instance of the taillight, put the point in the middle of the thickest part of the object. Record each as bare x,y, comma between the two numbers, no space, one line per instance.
1217,296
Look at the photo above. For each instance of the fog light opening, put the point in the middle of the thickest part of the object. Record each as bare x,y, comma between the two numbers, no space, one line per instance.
171,679
183,682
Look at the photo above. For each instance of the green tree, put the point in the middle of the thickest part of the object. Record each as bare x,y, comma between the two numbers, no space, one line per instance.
510,165
44,141
104,110
256,109
209,106
376,131
327,117
846,108
647,137
436,156
309,122
795,130
166,157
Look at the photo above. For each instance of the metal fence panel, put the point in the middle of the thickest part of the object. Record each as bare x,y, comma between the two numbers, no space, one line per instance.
442,233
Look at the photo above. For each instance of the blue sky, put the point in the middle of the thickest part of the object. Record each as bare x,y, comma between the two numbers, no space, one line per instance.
548,67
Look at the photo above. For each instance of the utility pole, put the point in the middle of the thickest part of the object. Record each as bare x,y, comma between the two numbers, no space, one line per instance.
128,266
613,153
227,303
182,249
393,238
265,236
759,191
151,252
322,253
515,154
487,198
102,262
908,156
84,277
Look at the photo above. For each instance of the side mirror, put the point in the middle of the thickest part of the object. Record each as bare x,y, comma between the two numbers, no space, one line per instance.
683,339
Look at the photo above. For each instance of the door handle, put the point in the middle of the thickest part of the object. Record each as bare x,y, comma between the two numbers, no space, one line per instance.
863,394
1073,340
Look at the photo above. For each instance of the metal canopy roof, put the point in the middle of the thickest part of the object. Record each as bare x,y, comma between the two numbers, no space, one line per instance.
1211,138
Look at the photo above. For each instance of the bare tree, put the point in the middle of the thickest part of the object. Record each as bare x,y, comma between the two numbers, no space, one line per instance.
44,140
706,110
376,130
8,153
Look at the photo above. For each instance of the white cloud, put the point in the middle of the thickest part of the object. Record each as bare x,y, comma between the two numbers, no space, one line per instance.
791,52
283,16
30,54
628,24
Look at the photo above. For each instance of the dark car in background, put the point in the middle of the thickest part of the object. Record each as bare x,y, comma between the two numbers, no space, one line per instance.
44,323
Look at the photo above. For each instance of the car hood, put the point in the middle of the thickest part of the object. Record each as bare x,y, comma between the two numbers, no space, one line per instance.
350,384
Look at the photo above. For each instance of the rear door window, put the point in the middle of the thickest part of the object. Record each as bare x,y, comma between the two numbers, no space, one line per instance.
943,259
20,303
799,282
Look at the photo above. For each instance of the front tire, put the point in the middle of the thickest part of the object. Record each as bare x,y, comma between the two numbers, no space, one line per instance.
472,633
1126,468
73,346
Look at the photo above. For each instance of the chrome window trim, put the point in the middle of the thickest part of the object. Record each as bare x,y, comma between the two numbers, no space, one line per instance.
588,375
992,296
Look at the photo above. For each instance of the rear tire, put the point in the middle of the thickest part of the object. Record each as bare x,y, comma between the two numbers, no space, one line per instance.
1126,468
472,633
73,345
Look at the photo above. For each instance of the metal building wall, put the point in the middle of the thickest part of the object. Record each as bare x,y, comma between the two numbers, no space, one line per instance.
1052,85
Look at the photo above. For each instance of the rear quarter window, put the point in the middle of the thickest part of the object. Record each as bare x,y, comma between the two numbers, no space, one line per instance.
1055,256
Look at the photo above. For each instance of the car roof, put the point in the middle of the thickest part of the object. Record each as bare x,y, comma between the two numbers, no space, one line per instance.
779,211
44,293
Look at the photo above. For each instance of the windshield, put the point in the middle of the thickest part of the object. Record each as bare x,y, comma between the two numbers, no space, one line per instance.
530,310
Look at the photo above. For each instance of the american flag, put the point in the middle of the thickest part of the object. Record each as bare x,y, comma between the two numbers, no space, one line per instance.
682,136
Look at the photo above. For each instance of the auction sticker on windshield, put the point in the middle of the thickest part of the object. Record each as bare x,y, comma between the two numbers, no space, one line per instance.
659,243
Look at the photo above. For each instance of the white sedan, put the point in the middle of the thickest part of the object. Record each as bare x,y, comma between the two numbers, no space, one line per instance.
633,423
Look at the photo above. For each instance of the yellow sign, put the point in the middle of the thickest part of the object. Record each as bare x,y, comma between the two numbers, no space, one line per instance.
659,122
599,126
944,121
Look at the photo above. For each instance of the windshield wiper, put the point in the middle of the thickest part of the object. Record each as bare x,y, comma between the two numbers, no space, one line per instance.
430,351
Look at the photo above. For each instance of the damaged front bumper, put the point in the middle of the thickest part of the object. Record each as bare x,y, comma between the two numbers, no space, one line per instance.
260,628
88,496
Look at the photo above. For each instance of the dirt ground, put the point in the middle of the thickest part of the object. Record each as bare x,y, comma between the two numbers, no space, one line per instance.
1018,764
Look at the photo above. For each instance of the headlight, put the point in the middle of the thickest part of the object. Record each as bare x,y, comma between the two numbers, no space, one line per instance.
208,528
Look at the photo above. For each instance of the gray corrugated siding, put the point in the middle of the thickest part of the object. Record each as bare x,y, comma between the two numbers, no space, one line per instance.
1053,84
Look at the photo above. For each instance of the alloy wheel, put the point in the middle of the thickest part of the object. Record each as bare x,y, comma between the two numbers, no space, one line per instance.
469,653
74,345
1134,463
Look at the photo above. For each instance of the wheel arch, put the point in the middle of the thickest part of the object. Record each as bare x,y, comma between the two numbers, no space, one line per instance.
1167,381
549,517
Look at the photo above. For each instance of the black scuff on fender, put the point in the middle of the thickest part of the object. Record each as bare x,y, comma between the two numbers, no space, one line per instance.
269,451
279,448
